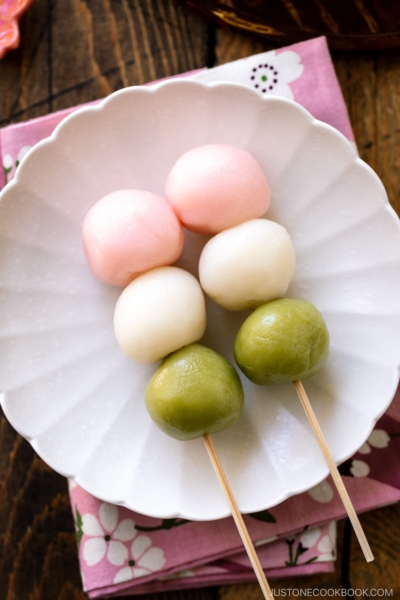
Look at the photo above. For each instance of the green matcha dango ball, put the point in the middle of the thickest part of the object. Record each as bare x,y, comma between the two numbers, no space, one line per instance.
282,340
194,391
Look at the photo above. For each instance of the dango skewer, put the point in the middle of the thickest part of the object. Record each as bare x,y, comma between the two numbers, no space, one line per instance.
287,340
129,236
193,393
338,481
253,263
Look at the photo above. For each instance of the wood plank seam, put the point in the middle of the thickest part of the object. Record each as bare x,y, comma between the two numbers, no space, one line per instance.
30,64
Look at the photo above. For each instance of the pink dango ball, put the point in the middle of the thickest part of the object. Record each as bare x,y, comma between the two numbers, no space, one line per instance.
217,186
129,232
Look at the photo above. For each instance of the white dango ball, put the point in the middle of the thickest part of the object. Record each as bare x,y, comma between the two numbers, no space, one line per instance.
158,313
247,265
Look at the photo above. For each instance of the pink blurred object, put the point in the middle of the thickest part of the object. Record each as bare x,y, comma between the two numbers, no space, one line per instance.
10,13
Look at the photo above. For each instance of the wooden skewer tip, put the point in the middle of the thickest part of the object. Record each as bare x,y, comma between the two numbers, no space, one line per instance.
240,524
334,471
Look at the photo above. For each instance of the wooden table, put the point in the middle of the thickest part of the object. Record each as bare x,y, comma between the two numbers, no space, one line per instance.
74,51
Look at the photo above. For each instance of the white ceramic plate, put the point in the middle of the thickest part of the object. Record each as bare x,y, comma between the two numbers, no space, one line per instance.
66,385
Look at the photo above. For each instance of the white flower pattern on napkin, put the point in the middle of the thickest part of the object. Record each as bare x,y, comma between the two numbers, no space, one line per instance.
310,537
378,438
327,544
8,162
145,559
322,492
273,73
106,536
359,468
24,150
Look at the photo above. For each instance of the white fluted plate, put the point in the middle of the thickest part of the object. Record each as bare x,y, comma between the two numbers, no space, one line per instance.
70,391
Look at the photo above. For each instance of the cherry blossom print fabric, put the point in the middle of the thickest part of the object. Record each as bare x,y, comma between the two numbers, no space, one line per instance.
123,551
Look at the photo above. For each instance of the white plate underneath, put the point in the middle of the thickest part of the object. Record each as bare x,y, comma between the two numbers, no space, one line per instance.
65,384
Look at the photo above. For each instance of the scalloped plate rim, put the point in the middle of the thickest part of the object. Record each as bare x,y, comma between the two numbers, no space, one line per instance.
152,90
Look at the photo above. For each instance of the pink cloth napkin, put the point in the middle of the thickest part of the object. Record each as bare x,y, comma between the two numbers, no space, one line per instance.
124,553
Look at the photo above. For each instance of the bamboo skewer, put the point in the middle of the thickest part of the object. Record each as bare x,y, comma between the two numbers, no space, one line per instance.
334,471
242,529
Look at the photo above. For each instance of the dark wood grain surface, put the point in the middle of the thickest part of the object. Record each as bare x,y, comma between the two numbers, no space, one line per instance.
74,51
355,25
